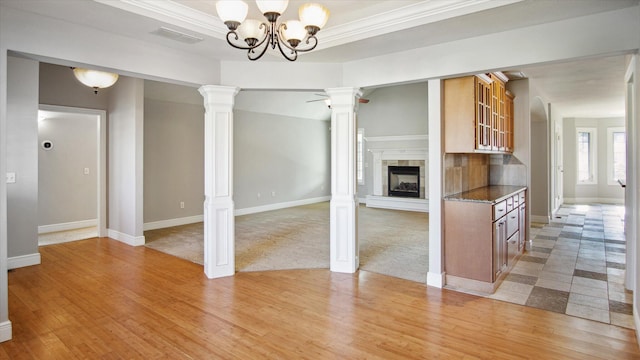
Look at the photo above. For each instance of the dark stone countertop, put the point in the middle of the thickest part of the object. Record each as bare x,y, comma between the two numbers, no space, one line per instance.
489,194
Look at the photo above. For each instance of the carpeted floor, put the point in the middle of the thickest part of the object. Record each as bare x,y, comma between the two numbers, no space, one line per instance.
391,242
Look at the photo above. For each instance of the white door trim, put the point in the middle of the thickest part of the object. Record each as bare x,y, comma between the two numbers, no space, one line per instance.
101,116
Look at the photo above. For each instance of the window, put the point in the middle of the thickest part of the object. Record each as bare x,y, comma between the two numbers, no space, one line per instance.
360,157
587,170
616,155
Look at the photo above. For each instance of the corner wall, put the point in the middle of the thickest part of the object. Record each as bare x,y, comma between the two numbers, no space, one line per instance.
125,164
22,160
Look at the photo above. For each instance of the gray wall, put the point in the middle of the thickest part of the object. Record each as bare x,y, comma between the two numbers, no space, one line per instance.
286,155
65,193
22,156
125,160
539,160
601,191
173,152
392,111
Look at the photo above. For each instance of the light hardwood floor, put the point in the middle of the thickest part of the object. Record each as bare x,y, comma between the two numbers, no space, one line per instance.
99,298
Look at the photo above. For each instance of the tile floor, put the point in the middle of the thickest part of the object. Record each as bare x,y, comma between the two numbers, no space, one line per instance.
575,265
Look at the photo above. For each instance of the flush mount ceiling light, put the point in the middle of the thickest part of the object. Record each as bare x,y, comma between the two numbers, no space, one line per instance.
258,36
94,78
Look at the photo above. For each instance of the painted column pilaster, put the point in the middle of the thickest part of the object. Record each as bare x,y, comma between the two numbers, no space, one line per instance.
435,275
377,174
344,203
219,222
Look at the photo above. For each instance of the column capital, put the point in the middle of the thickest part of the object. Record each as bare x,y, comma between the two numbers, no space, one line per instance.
217,95
343,95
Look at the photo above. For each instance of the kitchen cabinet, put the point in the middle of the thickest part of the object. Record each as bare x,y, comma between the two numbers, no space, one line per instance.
484,235
476,117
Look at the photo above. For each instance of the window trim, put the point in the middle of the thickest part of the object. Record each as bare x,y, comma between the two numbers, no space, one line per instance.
593,153
611,180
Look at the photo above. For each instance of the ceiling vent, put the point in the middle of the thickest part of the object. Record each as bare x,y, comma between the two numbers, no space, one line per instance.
177,35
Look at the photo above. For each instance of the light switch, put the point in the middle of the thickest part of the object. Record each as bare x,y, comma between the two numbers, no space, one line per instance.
86,171
11,177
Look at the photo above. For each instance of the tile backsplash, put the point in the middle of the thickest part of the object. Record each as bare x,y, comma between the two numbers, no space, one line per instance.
469,171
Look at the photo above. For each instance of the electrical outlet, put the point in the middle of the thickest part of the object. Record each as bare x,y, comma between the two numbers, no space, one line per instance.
86,171
11,177
273,193
259,195
181,204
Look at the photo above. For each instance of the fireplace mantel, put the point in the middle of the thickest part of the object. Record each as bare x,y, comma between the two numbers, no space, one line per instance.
407,147
393,154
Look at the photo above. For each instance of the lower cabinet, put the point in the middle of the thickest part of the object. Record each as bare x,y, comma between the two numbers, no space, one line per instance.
483,240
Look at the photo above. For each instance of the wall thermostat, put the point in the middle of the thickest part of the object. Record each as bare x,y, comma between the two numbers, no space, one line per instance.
47,145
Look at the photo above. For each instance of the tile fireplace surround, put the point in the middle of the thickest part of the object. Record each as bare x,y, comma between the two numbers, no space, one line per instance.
382,159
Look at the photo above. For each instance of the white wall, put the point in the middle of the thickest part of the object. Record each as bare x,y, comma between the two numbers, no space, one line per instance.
602,191
125,164
539,189
22,159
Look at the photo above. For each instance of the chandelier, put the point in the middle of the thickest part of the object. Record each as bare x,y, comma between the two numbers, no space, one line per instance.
258,36
94,78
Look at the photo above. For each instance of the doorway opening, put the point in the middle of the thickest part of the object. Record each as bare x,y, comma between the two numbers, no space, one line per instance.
71,174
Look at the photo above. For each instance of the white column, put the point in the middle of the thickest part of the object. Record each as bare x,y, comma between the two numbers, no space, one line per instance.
435,275
344,203
219,222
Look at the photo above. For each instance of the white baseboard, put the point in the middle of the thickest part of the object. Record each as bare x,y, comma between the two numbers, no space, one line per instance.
16,262
398,203
540,219
126,238
362,200
435,279
5,331
173,222
43,229
284,205
589,200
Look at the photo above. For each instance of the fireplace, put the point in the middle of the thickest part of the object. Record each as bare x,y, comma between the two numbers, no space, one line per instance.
404,181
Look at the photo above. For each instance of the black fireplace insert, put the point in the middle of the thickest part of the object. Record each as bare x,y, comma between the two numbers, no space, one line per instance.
404,181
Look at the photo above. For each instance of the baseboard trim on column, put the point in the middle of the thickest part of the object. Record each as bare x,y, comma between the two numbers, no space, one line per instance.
126,238
435,279
5,331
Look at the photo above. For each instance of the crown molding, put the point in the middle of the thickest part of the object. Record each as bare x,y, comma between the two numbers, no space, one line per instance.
173,13
422,13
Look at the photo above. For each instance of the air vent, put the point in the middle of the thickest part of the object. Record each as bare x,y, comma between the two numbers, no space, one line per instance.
177,35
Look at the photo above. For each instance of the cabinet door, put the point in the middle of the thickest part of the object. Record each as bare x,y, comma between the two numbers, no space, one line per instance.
483,114
509,121
499,247
522,227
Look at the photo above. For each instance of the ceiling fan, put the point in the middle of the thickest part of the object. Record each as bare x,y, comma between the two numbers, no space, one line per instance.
327,101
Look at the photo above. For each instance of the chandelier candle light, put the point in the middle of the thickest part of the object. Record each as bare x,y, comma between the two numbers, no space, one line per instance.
286,36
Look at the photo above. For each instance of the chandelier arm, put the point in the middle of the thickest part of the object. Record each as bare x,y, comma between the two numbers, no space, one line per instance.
297,49
252,51
294,54
241,47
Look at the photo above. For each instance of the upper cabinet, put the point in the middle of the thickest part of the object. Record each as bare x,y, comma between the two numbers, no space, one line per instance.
478,114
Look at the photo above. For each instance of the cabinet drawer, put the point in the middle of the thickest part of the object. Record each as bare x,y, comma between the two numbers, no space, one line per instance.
499,210
521,197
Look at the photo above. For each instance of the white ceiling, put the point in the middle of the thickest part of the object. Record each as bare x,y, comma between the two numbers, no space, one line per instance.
361,29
